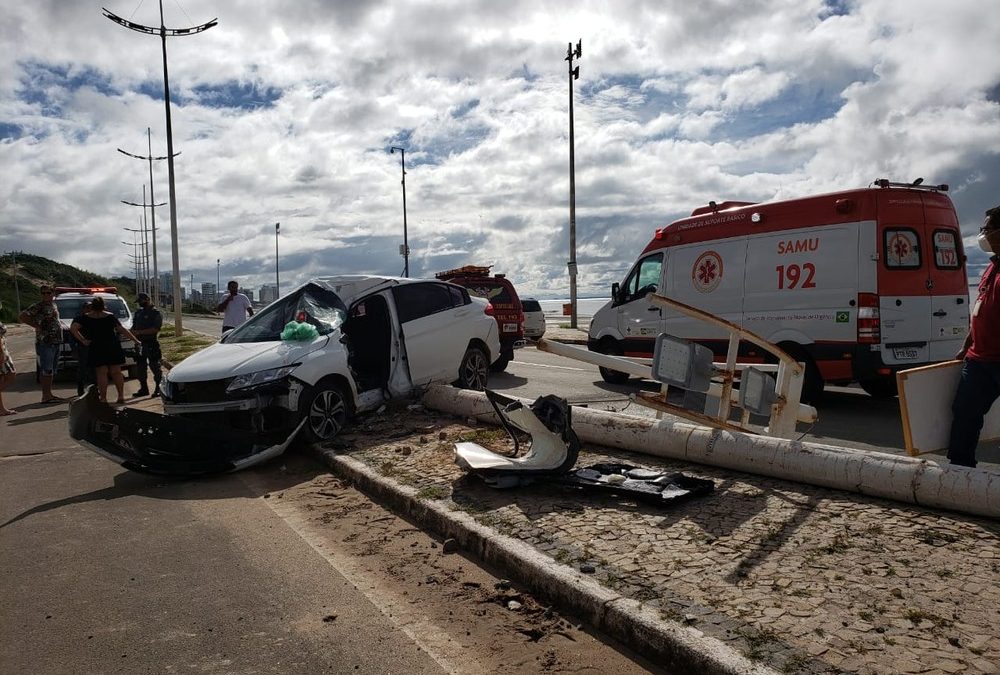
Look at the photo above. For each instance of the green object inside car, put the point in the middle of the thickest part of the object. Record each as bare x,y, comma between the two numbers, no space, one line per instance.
299,331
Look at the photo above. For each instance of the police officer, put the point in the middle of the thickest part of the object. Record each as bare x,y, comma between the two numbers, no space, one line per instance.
146,324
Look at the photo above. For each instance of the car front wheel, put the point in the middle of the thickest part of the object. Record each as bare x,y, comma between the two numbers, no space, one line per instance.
326,412
474,370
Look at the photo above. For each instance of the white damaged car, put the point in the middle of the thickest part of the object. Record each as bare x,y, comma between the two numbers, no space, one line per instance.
357,341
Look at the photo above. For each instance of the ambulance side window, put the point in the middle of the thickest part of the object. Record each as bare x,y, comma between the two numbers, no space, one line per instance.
901,248
645,277
946,254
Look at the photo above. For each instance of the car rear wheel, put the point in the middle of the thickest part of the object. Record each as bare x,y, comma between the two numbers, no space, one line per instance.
474,370
326,411
612,376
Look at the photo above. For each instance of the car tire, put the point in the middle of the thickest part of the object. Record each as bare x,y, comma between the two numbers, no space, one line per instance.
500,364
611,376
326,411
879,387
474,370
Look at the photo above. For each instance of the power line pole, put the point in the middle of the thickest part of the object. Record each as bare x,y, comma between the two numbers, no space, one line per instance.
574,74
149,157
406,248
163,32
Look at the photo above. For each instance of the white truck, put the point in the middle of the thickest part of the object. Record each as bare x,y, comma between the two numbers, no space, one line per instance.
856,284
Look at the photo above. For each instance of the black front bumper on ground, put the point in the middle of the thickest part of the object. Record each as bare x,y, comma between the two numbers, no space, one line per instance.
167,445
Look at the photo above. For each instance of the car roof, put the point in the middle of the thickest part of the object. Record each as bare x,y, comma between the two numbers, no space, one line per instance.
352,286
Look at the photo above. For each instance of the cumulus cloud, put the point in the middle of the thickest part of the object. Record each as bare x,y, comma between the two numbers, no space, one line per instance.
285,112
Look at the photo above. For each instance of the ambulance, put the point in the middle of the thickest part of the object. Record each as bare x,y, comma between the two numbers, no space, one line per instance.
856,284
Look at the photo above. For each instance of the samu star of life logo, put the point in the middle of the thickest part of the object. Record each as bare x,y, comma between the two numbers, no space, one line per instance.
706,273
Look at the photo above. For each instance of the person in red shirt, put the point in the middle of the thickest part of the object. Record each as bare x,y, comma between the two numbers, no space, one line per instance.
979,385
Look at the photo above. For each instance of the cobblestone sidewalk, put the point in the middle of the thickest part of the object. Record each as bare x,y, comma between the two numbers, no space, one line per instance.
805,579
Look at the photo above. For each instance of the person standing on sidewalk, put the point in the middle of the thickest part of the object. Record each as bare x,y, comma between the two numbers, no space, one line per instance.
979,385
146,324
236,307
6,368
43,316
84,373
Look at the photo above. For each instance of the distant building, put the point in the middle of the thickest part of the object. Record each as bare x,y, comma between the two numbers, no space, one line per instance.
247,292
195,296
209,294
268,293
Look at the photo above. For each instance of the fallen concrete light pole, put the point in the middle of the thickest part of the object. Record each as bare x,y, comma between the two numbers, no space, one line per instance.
896,477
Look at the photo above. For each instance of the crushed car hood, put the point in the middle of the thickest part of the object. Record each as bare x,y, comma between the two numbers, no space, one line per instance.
227,360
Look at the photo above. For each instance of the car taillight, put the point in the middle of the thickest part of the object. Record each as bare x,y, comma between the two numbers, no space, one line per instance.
869,320
489,309
520,318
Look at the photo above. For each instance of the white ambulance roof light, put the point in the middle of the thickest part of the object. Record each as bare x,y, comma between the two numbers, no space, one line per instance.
681,363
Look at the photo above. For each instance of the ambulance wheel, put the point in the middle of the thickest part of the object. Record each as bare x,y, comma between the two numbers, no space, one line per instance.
500,364
611,376
812,384
882,387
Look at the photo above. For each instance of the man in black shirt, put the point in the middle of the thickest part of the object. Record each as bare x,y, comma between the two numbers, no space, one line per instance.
146,324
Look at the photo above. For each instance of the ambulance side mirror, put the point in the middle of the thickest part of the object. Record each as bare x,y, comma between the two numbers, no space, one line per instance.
615,290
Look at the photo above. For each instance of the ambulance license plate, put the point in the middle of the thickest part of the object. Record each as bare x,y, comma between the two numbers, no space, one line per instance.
510,328
905,353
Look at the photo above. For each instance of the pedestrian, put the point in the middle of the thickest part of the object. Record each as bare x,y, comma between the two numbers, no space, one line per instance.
6,368
43,316
146,324
236,307
98,330
979,385
84,373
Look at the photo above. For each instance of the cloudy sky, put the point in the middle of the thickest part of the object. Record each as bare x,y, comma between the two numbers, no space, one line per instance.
286,110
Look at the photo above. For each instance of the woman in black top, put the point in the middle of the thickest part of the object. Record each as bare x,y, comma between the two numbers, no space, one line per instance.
98,330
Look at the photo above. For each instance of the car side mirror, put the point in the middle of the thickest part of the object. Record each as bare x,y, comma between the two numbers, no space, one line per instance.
615,290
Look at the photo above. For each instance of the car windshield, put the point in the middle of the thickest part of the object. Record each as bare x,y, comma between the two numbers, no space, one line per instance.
320,307
71,307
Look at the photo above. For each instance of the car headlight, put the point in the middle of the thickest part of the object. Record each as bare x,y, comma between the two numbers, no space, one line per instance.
259,378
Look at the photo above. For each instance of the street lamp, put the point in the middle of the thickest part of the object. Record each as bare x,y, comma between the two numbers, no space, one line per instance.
218,279
163,32
277,283
574,74
152,210
406,249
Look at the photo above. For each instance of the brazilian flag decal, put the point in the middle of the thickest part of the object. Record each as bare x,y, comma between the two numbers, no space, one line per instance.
843,317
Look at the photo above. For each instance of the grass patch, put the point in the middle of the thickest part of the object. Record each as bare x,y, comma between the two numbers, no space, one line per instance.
176,349
433,492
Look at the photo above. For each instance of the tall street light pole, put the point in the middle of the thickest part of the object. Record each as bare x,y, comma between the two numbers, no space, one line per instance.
406,248
574,74
139,257
277,283
152,208
218,281
163,32
149,157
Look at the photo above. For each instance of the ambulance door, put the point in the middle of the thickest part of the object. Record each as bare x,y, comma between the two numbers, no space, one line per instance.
709,276
639,321
949,292
903,278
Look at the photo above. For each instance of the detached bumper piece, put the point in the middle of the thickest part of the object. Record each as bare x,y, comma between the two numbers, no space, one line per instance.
166,445
554,451
646,485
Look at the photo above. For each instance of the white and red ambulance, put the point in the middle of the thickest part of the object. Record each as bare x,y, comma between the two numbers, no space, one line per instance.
855,284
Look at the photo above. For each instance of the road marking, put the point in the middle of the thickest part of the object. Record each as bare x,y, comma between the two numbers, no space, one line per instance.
543,365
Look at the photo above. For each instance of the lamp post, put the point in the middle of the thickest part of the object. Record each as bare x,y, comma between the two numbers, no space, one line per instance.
163,32
145,236
141,256
406,249
152,210
277,283
574,74
218,280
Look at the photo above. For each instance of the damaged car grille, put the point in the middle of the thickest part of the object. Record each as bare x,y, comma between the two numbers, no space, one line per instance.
199,392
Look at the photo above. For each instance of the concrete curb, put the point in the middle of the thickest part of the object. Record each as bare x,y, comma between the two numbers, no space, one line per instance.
676,647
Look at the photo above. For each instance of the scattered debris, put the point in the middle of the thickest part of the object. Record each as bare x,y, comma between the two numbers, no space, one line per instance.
449,546
588,568
502,585
514,605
